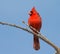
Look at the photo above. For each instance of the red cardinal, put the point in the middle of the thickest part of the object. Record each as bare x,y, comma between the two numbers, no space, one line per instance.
36,22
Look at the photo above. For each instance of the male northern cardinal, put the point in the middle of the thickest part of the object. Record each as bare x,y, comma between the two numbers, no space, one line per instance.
36,22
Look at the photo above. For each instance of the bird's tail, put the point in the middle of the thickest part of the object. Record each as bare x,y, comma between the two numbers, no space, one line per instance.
36,43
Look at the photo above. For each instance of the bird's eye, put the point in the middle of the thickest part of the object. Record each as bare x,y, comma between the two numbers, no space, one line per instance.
31,12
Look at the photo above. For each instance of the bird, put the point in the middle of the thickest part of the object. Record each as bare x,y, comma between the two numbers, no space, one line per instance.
35,21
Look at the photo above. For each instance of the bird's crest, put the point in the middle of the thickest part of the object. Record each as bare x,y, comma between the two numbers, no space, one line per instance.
33,11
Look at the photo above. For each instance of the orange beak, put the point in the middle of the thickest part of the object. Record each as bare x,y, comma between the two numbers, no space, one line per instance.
30,13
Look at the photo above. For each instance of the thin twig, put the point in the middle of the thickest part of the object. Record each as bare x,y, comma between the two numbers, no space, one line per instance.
13,25
39,35
43,37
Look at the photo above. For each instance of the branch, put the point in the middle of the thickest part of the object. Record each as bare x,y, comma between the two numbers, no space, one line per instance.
39,35
44,38
13,25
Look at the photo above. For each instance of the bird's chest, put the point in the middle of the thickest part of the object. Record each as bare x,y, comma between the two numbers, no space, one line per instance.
35,23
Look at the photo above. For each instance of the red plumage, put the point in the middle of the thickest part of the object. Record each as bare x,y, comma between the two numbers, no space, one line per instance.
36,22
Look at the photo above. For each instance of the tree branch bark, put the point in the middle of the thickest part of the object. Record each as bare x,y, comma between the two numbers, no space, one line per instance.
39,35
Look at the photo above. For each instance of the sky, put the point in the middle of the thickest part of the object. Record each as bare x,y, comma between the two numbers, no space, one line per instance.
17,41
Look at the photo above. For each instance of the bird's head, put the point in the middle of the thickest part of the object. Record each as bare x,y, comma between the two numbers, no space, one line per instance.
33,11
